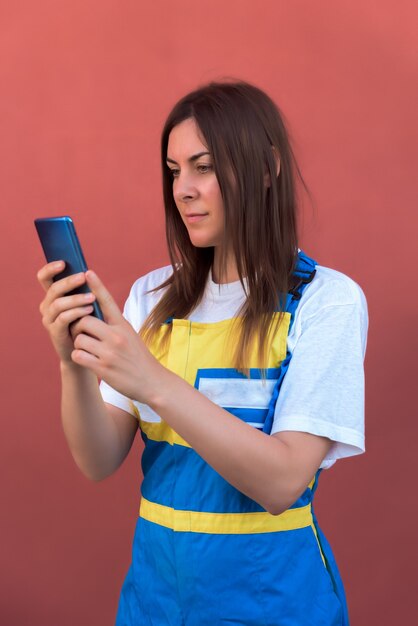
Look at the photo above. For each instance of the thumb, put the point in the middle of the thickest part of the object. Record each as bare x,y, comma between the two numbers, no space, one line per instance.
106,302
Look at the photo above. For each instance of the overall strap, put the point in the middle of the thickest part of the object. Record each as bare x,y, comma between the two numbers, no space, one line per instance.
304,274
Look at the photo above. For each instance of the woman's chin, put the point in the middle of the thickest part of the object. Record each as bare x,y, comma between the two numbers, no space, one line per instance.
202,242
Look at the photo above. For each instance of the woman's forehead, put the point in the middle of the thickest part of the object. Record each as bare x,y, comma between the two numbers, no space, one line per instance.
185,139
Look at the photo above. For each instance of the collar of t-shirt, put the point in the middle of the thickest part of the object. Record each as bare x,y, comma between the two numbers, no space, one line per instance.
219,302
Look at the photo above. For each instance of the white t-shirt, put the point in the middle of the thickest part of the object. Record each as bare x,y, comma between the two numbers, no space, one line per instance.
323,390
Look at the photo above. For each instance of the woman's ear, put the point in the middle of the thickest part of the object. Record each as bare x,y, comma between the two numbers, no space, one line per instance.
267,180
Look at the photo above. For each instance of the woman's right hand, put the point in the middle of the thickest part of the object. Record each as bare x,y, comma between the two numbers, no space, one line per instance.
59,310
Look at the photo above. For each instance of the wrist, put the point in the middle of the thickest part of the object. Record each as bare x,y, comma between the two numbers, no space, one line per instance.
169,387
69,368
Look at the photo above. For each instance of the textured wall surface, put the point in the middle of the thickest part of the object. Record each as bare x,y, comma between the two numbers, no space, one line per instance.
85,87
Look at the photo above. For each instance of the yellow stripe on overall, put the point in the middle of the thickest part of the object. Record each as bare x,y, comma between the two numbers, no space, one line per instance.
225,523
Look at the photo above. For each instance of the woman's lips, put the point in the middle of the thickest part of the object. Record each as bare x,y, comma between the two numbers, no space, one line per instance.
192,218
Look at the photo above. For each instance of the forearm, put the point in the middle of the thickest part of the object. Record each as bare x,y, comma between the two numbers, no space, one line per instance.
261,466
91,433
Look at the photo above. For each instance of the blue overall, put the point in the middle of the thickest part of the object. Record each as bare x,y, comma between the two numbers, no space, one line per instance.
204,554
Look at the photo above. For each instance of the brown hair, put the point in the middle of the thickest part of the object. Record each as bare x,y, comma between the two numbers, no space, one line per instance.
244,132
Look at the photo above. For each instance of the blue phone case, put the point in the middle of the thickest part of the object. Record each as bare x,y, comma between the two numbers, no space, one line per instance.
60,243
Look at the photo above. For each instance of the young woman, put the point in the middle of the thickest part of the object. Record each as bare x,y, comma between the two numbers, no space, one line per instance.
242,363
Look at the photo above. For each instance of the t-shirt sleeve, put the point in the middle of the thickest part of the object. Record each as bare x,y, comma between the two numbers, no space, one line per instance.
323,390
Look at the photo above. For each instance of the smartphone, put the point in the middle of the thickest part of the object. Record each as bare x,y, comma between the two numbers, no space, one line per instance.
60,243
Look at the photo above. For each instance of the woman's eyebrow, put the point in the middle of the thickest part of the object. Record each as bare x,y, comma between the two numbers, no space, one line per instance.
190,159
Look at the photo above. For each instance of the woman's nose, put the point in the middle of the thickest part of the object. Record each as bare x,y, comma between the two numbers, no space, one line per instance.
184,188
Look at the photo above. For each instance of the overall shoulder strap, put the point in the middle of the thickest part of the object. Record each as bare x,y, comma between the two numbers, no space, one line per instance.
304,274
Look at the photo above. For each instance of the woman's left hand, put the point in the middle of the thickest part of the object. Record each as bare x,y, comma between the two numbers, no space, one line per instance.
113,350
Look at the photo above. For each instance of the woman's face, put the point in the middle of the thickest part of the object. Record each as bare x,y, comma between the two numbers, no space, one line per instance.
196,190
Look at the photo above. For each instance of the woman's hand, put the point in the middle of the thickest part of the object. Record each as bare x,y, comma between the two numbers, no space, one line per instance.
114,351
59,310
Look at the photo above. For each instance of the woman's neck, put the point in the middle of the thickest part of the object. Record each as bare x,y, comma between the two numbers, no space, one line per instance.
224,274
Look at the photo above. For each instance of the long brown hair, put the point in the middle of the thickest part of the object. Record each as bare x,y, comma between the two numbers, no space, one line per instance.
245,134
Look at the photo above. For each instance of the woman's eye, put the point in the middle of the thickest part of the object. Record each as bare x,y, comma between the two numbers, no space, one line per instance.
203,168
174,172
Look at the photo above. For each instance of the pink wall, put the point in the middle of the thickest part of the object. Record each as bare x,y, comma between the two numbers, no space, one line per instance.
85,87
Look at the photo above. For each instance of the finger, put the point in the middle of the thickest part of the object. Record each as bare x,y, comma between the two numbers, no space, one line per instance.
47,272
90,326
85,359
87,344
109,307
51,310
63,286
67,318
